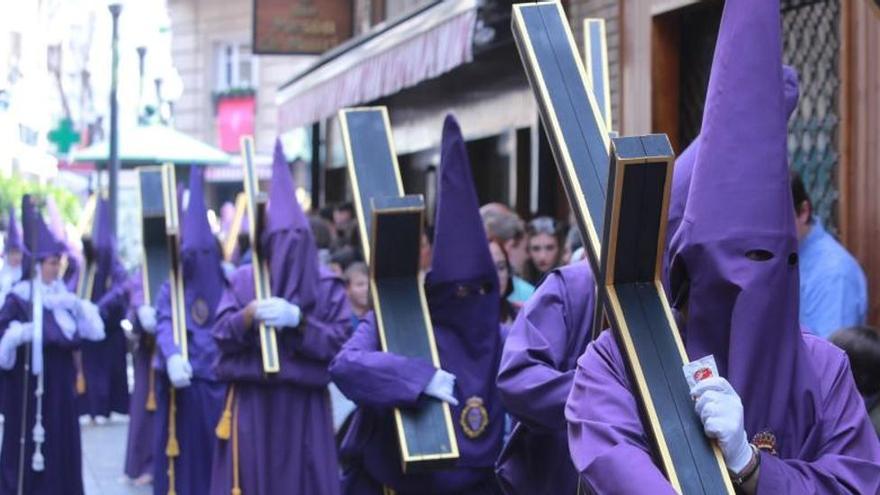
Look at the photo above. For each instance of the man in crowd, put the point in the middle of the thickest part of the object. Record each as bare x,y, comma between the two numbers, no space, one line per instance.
41,451
834,291
784,410
190,399
508,229
277,431
103,363
462,294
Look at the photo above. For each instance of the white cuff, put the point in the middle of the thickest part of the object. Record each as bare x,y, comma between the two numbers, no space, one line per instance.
8,347
89,323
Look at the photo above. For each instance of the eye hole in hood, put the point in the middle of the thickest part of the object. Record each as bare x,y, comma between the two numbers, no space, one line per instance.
759,255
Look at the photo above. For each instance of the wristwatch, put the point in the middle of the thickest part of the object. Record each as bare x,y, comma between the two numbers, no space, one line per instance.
750,469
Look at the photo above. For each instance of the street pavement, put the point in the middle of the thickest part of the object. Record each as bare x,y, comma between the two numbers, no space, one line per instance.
103,458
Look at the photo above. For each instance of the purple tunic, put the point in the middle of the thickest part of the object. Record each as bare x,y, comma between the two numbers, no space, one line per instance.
62,450
535,377
139,446
282,428
103,362
198,406
838,454
299,457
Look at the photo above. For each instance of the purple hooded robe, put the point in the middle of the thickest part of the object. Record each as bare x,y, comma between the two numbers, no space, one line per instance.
282,429
462,294
61,448
200,404
103,362
139,445
735,253
536,374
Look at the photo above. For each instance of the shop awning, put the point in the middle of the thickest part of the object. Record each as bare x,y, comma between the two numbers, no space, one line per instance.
154,144
383,62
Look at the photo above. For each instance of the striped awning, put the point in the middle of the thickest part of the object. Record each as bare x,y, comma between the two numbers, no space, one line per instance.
389,59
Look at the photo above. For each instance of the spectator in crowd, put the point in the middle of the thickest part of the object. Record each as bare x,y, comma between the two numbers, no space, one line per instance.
573,246
324,237
545,250
505,288
862,347
343,216
341,259
834,291
508,229
357,287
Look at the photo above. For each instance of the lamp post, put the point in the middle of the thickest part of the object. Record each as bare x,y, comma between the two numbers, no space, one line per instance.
115,9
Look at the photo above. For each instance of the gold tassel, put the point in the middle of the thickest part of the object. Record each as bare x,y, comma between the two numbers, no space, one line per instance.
80,383
236,482
223,426
172,450
151,392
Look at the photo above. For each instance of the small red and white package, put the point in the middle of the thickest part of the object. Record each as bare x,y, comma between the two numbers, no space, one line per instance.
699,370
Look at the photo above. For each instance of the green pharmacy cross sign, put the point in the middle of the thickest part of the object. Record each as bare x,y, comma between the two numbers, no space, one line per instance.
64,136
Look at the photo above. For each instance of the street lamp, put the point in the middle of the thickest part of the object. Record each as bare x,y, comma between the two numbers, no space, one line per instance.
115,9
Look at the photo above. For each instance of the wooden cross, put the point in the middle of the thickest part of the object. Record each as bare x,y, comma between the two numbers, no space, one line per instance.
619,191
391,229
256,209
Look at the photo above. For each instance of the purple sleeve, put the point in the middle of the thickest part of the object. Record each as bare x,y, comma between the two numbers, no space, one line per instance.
605,436
532,379
164,328
373,378
329,326
114,302
230,332
846,453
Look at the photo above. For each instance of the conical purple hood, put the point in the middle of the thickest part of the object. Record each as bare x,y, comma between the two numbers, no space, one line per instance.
288,242
102,233
195,229
203,279
462,292
38,239
461,251
285,211
736,249
684,163
13,235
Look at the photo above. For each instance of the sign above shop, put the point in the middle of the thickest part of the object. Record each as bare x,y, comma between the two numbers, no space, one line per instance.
300,26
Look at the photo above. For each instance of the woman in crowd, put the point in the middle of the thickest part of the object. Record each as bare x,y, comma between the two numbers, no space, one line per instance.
545,248
503,268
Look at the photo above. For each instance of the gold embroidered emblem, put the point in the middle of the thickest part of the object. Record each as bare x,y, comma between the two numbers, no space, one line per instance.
199,311
765,441
474,417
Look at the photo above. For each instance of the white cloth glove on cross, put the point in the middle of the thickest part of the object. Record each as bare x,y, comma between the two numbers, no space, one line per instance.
441,386
179,371
278,313
147,318
721,411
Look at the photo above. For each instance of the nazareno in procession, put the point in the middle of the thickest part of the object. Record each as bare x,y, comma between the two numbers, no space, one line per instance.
666,339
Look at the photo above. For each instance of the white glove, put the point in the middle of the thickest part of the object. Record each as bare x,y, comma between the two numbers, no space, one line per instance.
147,318
61,300
20,333
15,335
721,411
441,386
278,313
179,371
